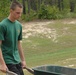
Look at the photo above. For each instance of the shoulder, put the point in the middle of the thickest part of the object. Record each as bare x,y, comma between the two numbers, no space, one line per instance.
3,22
19,24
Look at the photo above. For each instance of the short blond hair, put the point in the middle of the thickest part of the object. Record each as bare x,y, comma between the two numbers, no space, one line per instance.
14,4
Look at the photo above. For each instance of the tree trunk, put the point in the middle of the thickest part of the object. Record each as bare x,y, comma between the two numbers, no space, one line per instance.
39,4
14,0
59,4
24,8
55,2
28,3
33,4
62,4
72,6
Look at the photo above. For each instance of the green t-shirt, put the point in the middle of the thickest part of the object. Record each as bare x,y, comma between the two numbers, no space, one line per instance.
10,33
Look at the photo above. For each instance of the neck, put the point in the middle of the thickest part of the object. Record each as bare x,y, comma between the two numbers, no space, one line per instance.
11,18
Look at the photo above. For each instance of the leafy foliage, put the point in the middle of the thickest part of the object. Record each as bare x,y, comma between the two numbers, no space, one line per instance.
44,9
4,8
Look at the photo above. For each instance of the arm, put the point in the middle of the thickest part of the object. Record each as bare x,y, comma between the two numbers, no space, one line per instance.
21,54
3,66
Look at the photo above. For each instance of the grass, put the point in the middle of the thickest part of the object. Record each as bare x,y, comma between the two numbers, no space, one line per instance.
50,53
40,51
43,51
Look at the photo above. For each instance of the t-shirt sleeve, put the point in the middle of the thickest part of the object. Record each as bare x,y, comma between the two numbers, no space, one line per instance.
20,35
1,32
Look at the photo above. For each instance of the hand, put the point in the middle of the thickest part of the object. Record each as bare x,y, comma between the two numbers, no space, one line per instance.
3,68
23,64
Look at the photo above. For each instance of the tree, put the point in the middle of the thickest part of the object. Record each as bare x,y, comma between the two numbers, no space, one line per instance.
33,4
60,4
72,6
24,8
12,0
28,3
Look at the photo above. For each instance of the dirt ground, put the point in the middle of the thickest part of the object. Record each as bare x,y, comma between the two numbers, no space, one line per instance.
39,27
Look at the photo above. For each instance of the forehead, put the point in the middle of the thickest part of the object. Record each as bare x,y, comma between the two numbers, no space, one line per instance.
18,9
